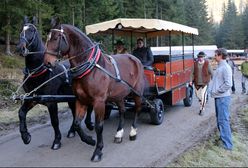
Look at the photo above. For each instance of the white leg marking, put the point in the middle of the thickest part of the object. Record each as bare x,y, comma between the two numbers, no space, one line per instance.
119,133
133,131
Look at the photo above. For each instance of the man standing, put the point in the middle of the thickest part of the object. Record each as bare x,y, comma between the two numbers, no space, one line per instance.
244,71
200,77
220,91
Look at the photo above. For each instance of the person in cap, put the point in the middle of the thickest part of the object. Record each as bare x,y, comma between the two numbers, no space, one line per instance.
119,48
200,77
220,90
144,54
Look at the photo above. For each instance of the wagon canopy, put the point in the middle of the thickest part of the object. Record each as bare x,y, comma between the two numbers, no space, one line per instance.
149,27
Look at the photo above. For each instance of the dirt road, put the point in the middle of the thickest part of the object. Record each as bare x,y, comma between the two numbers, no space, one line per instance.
155,145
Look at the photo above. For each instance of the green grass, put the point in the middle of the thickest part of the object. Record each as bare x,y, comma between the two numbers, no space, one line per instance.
244,117
7,87
10,78
39,114
11,62
209,154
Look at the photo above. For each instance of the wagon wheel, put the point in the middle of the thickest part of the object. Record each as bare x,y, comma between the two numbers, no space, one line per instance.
157,114
189,96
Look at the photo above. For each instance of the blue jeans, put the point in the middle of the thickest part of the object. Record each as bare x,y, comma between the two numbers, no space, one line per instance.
223,120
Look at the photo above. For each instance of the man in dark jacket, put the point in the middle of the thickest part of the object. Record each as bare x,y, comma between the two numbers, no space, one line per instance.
144,54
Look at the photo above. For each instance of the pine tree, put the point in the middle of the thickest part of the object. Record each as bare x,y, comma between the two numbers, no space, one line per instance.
196,16
231,31
245,26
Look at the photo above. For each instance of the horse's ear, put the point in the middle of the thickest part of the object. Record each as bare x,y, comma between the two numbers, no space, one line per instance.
55,22
25,20
34,21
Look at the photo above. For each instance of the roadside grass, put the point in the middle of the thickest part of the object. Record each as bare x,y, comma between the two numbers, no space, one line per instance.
209,154
10,78
11,67
11,62
38,115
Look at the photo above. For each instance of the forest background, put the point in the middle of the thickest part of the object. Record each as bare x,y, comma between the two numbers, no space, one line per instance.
231,32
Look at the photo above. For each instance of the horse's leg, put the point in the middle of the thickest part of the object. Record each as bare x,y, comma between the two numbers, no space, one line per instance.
26,137
133,132
120,130
87,121
53,111
71,132
80,112
99,108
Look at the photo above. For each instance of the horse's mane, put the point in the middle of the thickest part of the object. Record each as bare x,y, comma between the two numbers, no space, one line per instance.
77,30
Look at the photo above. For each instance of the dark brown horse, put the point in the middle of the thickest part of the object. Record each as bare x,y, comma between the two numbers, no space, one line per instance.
36,73
98,78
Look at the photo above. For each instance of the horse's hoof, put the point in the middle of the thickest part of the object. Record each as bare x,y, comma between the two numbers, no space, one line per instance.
56,146
26,138
117,140
71,134
96,157
132,138
90,126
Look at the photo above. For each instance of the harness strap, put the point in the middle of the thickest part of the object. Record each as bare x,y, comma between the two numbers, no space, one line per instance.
38,74
83,69
35,72
118,80
125,83
66,73
115,66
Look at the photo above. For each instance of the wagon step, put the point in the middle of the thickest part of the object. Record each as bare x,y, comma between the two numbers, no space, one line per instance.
46,98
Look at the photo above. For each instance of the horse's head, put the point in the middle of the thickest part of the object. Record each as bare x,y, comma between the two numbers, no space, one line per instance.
28,37
57,44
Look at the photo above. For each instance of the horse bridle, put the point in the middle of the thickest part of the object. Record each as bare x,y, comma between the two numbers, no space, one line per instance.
62,37
26,50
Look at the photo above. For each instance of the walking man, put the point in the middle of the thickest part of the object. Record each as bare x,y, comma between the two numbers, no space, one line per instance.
200,77
220,89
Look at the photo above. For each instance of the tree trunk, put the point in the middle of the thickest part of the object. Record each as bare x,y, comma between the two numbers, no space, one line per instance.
7,34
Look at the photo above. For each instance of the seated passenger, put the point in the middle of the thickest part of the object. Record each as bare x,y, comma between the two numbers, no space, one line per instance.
144,54
119,48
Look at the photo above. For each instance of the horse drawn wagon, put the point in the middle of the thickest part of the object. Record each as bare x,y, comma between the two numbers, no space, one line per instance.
169,76
119,75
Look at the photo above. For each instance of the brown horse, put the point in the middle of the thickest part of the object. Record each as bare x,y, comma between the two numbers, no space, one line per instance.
98,78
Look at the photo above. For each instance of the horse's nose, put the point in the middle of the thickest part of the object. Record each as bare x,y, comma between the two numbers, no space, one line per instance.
20,48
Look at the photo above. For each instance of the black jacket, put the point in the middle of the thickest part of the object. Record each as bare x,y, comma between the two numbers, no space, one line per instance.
145,55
